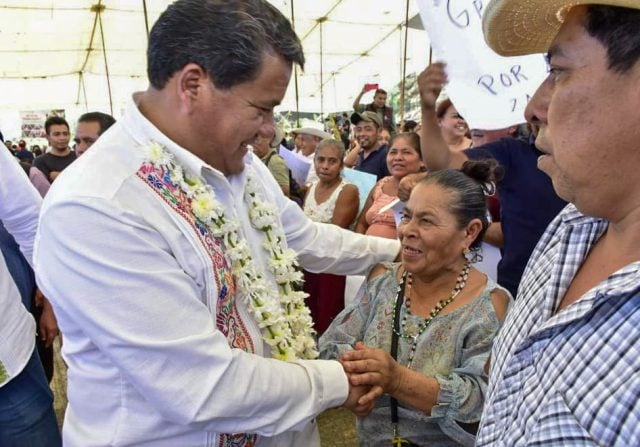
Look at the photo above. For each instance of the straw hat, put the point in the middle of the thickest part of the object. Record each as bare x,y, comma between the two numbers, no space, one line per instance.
277,138
313,132
517,27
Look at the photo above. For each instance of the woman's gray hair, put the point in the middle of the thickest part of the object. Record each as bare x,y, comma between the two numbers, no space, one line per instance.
333,143
469,187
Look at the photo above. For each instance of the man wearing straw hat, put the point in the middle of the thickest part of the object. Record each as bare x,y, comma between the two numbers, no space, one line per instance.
565,366
310,137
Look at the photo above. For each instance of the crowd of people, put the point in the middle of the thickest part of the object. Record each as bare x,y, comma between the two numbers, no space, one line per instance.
199,288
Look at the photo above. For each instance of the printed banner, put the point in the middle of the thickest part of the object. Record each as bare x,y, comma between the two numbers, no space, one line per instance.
33,122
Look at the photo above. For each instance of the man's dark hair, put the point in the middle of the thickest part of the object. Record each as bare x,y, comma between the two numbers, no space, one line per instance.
104,120
379,90
54,121
226,38
618,29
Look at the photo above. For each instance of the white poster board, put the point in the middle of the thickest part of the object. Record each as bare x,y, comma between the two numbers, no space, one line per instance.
489,91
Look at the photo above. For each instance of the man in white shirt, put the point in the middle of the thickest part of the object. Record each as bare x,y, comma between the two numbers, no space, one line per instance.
26,402
310,138
163,252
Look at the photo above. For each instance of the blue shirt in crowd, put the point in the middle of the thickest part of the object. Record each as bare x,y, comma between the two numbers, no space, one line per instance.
528,203
375,163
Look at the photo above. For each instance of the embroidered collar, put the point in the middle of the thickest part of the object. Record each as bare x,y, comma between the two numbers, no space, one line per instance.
280,312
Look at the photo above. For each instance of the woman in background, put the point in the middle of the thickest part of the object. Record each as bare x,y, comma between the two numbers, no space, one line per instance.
453,126
330,200
403,158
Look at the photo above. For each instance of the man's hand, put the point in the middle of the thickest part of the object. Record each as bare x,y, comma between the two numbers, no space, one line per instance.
48,323
372,367
407,184
356,401
53,175
430,83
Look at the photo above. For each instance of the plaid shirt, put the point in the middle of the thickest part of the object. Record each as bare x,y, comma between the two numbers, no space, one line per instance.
571,378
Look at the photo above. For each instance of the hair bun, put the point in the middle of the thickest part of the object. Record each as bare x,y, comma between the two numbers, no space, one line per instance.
484,172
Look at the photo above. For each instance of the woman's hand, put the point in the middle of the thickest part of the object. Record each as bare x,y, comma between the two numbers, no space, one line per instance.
407,184
372,367
430,83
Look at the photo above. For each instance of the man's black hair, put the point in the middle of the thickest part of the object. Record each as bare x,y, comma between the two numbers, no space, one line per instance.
226,38
104,120
54,121
618,29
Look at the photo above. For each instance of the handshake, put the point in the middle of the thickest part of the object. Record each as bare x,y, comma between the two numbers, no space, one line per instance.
371,373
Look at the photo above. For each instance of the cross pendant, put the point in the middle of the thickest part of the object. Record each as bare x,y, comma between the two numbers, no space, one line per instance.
397,441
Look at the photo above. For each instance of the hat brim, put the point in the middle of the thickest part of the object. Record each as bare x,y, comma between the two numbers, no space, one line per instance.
313,132
519,27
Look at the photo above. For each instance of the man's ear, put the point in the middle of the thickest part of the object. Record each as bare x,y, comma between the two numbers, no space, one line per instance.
191,85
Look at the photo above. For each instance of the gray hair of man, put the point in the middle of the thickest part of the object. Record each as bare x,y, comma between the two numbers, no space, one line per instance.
330,142
228,39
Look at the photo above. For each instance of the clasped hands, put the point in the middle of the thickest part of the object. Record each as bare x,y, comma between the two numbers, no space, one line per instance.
371,372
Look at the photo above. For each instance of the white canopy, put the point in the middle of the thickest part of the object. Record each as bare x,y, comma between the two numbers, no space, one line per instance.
54,57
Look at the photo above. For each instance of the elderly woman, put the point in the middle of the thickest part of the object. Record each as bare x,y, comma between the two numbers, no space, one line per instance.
423,329
453,126
331,200
403,158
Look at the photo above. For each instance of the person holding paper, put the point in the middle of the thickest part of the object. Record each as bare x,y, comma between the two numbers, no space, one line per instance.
403,158
528,201
307,139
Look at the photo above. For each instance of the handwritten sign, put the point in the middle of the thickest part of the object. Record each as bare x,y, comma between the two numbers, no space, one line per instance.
490,91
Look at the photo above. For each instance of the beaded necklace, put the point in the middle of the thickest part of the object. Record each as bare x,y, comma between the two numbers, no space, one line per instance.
461,281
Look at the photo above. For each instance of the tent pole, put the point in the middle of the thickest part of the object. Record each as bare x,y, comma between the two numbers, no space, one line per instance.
104,54
146,17
404,62
82,88
321,20
295,70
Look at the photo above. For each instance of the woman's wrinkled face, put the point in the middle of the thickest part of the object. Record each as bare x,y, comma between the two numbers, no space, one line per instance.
431,237
328,163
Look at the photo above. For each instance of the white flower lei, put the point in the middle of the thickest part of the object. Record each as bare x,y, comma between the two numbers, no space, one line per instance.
282,315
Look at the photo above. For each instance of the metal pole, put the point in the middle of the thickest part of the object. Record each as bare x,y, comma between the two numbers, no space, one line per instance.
146,17
404,62
295,70
104,54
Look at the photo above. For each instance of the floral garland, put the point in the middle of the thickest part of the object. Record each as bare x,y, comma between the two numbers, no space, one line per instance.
281,314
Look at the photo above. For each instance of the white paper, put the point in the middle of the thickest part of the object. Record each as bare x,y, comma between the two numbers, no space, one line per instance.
298,164
488,90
